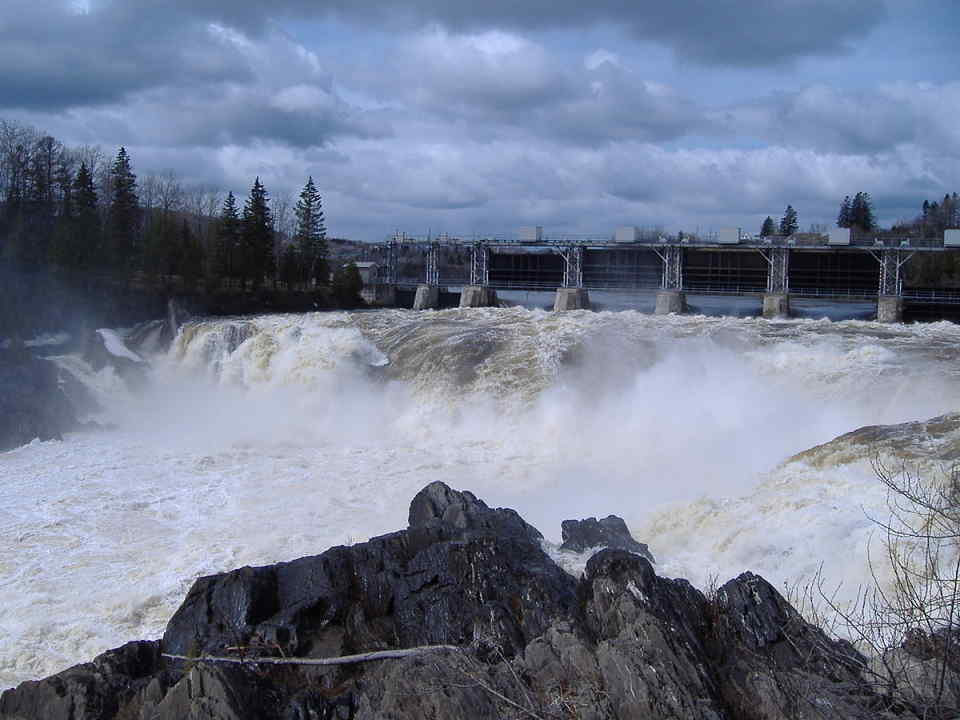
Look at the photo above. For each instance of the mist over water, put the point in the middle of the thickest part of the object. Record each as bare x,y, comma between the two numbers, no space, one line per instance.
263,439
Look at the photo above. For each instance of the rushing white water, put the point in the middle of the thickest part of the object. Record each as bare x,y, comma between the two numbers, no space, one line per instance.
267,438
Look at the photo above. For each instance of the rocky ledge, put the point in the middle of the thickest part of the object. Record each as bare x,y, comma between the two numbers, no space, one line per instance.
33,399
523,639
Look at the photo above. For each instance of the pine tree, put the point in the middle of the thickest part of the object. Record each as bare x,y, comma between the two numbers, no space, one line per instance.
257,235
226,253
769,227
190,256
843,218
861,212
311,235
949,209
789,223
84,247
290,266
123,249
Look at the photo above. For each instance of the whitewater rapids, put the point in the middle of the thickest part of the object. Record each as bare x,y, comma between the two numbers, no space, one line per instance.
263,439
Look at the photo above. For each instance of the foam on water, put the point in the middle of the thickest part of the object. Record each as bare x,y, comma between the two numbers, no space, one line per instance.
263,439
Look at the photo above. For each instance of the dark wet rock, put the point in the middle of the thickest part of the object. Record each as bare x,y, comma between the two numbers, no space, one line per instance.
79,395
98,356
151,337
458,515
32,402
460,572
610,532
531,641
99,690
782,661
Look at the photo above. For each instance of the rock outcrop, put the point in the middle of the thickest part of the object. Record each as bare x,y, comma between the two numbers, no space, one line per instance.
104,348
32,401
610,532
531,641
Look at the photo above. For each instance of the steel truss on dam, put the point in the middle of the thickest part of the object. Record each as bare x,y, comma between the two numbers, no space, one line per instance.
834,267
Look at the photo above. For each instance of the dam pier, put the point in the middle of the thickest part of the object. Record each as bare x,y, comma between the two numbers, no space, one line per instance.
833,266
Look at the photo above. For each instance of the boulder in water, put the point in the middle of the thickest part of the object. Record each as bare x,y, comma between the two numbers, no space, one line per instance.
610,532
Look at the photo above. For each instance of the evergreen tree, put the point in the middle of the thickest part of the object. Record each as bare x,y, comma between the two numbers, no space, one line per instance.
769,227
123,249
83,247
311,235
789,223
226,253
861,212
190,256
257,235
290,266
949,211
73,239
347,285
843,217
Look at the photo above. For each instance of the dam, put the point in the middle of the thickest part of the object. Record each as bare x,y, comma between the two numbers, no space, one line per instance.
831,266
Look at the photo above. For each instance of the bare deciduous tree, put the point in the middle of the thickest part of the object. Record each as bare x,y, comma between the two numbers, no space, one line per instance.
907,621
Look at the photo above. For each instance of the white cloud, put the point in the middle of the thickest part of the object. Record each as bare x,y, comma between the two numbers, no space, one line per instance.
599,57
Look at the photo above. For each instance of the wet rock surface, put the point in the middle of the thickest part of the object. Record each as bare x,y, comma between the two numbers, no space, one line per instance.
610,532
32,402
98,356
531,641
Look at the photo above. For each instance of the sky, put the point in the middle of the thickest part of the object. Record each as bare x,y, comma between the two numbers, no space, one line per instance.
472,117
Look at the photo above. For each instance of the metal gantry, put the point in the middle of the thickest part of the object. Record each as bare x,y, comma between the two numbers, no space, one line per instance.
390,271
572,266
479,264
778,274
433,264
784,265
672,256
891,279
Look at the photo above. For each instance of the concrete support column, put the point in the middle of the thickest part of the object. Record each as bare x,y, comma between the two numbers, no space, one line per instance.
477,296
427,297
889,309
671,301
571,298
776,305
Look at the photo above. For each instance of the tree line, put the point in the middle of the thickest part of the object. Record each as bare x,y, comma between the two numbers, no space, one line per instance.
857,214
73,211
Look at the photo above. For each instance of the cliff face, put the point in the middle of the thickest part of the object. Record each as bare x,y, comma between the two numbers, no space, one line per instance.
531,641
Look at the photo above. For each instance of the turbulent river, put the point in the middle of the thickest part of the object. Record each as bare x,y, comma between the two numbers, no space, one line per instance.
267,438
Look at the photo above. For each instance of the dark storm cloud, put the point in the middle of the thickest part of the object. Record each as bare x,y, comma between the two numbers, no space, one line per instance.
53,56
169,80
474,116
730,32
